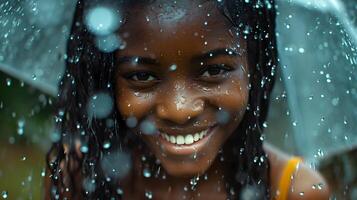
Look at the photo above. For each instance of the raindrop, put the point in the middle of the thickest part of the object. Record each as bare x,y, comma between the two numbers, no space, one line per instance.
146,173
99,106
250,192
148,194
173,67
120,191
294,123
131,122
335,101
301,50
147,127
55,136
84,149
8,82
102,20
116,165
108,43
106,145
222,116
89,185
265,124
4,194
20,126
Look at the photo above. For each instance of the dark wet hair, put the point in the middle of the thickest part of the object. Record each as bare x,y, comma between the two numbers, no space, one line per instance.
89,71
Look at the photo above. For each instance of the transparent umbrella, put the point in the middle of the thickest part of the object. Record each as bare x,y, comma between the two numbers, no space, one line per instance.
33,38
315,95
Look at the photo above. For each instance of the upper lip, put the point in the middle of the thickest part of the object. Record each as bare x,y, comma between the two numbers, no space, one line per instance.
183,131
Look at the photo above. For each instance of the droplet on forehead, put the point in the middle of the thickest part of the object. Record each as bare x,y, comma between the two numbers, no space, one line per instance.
102,20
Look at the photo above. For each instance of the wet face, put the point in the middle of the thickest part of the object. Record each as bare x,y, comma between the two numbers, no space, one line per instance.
183,77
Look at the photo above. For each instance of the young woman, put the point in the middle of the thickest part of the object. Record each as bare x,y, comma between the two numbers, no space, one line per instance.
188,94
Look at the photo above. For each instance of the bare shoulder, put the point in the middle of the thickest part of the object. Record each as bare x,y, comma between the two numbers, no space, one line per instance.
306,182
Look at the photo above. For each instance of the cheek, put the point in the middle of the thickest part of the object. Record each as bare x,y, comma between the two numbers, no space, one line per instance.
232,96
130,103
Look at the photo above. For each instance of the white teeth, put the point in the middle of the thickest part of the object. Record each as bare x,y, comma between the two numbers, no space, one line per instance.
180,139
188,139
172,139
196,137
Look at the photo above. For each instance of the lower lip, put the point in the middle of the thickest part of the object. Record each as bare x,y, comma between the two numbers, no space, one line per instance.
186,149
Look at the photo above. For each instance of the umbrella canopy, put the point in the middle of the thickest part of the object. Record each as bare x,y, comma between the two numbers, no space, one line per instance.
33,39
315,95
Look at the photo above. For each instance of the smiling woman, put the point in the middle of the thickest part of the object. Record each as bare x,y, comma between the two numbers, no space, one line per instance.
188,83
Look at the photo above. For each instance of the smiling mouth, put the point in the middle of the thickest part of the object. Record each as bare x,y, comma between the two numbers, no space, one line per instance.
185,139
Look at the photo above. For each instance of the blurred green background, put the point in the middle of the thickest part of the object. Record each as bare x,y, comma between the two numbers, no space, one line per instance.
25,121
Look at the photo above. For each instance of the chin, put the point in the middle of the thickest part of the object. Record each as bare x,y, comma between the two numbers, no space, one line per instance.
186,168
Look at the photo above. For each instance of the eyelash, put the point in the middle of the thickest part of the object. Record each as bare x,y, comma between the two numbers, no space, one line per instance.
223,69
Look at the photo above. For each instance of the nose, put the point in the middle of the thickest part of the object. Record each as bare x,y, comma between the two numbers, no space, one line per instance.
179,107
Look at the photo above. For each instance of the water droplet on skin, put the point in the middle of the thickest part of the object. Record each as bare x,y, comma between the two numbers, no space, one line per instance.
173,67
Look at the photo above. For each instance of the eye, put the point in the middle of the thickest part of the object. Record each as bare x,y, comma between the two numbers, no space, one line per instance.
215,70
142,76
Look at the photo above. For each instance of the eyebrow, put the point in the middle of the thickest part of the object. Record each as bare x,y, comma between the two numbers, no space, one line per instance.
137,60
217,52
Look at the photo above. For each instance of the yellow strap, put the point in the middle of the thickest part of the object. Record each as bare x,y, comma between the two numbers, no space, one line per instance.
285,180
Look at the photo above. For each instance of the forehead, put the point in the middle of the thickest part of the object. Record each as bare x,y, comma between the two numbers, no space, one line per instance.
166,23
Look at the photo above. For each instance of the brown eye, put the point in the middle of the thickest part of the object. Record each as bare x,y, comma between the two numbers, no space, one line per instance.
215,70
142,76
